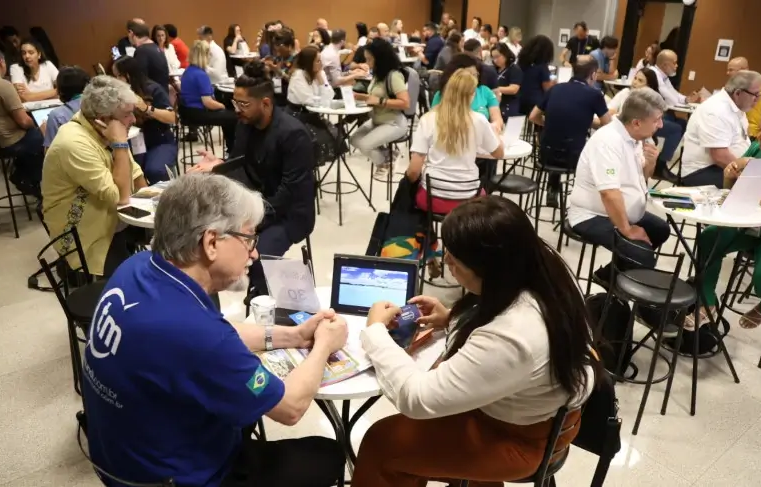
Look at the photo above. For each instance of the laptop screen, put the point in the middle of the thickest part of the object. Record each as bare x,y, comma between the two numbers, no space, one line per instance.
359,282
40,116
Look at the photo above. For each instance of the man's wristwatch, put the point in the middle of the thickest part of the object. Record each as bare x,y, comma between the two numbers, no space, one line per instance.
119,145
268,329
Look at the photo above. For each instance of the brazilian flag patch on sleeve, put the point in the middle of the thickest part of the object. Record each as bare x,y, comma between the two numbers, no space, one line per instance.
258,382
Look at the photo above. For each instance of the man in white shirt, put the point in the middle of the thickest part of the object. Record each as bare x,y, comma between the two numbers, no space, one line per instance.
331,62
475,29
610,190
217,68
717,132
665,67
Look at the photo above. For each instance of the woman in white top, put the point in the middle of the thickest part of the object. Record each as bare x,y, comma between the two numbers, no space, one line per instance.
308,84
518,347
35,77
514,40
651,53
446,143
160,39
644,77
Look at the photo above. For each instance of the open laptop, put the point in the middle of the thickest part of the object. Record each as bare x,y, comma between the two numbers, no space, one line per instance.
40,115
359,281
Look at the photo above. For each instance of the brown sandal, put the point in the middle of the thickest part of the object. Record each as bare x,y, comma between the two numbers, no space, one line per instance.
689,320
751,319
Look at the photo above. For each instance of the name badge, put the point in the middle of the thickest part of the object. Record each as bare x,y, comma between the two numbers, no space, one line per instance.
278,83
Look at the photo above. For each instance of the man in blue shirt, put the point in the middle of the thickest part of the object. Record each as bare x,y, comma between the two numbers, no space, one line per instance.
70,83
567,113
433,45
169,384
604,56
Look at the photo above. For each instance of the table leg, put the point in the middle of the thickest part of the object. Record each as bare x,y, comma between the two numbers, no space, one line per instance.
699,270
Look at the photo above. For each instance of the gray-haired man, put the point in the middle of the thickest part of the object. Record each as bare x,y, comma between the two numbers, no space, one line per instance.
170,382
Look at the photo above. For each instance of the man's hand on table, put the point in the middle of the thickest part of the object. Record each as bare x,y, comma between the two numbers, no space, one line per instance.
206,164
305,331
331,333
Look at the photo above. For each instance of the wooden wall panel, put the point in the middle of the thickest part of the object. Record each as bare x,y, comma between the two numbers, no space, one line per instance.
649,29
488,10
83,31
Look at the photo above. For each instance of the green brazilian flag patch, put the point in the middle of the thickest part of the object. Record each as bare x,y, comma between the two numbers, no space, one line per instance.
258,382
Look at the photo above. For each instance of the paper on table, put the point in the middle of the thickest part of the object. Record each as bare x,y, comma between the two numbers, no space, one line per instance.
347,93
404,39
513,129
745,196
565,74
290,282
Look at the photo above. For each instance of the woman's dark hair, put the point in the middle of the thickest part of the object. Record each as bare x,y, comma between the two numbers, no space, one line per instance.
655,49
487,28
136,77
386,59
453,41
502,48
537,50
652,78
504,27
38,47
154,34
267,35
231,31
284,37
41,36
305,60
71,81
494,238
324,36
361,29
256,80
462,60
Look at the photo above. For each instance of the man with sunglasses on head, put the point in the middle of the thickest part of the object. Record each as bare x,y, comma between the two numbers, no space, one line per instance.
279,163
170,387
717,132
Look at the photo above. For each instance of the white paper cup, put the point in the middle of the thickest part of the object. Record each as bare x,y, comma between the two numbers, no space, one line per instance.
264,309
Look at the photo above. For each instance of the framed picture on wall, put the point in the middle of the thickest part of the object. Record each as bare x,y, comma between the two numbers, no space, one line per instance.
724,50
564,37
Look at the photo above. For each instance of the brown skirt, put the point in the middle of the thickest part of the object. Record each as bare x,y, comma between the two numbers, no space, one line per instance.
401,452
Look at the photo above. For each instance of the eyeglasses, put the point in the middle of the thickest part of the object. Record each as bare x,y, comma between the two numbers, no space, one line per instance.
754,95
250,240
240,105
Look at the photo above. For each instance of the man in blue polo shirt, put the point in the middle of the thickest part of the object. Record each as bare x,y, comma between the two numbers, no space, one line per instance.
604,55
170,384
567,112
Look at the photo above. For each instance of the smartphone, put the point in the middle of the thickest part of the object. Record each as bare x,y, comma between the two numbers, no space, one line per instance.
115,53
654,193
134,212
680,205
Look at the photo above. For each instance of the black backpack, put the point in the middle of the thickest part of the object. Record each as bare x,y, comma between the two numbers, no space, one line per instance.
613,333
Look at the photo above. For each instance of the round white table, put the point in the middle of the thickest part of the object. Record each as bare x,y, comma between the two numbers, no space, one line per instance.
340,160
715,217
412,44
250,55
515,150
144,204
225,88
36,105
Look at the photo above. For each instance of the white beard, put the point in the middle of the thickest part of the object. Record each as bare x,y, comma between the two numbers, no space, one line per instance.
241,284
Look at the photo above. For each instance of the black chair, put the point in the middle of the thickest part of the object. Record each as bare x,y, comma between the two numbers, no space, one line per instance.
509,183
7,163
76,290
561,163
570,233
468,189
658,290
32,281
100,472
552,460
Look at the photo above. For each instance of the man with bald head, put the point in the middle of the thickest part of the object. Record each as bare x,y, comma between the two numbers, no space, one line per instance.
717,133
666,65
383,31
124,42
567,113
322,24
735,65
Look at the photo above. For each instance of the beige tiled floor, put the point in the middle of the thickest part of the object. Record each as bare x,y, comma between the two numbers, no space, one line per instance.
38,448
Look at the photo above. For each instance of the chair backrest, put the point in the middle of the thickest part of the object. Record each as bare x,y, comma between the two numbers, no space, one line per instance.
413,88
100,472
556,432
61,275
622,262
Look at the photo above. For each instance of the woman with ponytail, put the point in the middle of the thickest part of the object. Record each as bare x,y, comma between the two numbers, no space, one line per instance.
518,347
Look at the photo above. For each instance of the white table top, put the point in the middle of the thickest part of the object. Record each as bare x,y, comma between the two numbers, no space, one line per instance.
713,217
515,150
177,73
133,132
409,59
250,55
144,204
689,108
364,385
619,82
36,105
339,111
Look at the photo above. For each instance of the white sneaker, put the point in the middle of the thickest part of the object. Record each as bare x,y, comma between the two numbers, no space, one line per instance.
381,172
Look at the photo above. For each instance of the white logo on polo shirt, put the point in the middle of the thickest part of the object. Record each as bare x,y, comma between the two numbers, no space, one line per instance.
104,332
